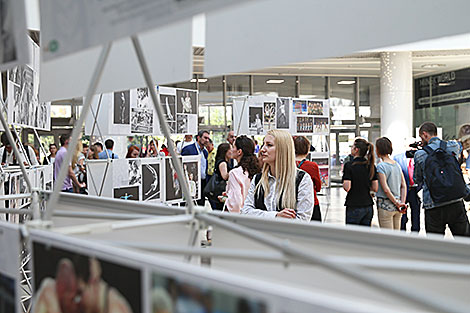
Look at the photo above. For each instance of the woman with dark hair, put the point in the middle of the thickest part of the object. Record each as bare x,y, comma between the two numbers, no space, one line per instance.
302,148
133,152
391,196
359,179
222,168
239,179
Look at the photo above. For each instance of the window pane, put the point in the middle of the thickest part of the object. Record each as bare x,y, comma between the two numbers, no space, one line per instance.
204,112
369,97
210,92
342,98
237,86
61,111
284,88
312,87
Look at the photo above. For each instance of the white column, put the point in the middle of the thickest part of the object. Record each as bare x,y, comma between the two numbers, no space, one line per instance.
396,97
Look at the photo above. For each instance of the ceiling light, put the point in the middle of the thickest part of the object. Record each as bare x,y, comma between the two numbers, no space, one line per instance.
200,80
346,82
433,65
274,81
445,84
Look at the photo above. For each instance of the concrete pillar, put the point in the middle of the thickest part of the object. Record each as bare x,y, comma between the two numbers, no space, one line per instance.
396,97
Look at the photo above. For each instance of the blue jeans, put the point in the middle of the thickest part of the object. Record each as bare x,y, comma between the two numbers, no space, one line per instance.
415,206
359,215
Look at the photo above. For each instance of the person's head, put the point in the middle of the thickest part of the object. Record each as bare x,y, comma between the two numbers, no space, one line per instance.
427,130
91,152
66,286
231,137
302,146
64,140
243,151
203,137
364,149
210,145
279,160
98,147
383,146
188,138
130,138
53,148
85,149
223,151
133,152
109,144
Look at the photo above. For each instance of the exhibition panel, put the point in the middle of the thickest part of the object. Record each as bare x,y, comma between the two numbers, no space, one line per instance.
10,292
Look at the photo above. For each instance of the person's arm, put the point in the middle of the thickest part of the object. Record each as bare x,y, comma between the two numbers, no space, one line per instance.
223,170
74,178
234,193
419,159
32,156
316,177
305,199
374,186
347,177
249,207
346,185
403,189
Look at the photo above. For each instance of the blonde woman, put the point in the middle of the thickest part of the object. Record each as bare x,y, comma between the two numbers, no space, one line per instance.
281,190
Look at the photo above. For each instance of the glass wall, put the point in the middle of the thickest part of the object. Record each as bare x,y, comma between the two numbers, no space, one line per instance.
280,86
312,87
342,99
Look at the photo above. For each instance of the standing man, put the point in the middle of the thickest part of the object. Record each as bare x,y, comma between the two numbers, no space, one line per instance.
188,139
198,148
452,211
59,159
231,140
51,156
108,153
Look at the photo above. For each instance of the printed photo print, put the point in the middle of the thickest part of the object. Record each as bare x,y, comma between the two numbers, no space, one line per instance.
255,119
321,125
141,121
315,107
282,113
83,283
325,177
269,114
143,98
191,170
135,175
172,187
169,106
182,123
150,182
186,101
127,193
122,107
173,295
304,124
300,106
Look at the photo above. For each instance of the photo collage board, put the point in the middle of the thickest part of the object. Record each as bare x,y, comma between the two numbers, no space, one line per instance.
154,179
133,113
134,282
10,290
23,106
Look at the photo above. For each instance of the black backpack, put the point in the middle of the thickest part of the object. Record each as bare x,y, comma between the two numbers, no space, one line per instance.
259,196
443,175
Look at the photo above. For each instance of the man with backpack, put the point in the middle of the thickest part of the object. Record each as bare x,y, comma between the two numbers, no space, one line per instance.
437,168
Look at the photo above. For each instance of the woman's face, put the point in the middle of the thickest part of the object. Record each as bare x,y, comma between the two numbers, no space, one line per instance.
268,152
228,154
354,150
236,153
134,153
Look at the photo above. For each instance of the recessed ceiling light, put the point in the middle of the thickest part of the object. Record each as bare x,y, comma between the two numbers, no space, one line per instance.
346,82
200,80
445,84
274,81
433,65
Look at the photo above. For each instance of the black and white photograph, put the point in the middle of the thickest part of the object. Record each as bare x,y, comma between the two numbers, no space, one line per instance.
186,101
255,119
191,170
169,106
150,182
282,113
83,283
181,123
321,125
172,186
7,33
126,193
122,107
7,294
141,121
269,115
143,98
304,124
135,175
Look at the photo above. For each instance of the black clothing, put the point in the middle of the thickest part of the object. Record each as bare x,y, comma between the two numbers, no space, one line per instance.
453,214
217,169
316,216
358,173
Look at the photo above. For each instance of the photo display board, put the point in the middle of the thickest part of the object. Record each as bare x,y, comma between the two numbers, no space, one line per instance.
144,179
131,112
13,34
9,268
24,108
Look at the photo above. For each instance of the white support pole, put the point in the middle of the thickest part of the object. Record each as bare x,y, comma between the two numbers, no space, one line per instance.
76,131
163,124
15,150
20,144
40,145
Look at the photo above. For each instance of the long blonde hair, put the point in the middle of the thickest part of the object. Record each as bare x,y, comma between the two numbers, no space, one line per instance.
285,170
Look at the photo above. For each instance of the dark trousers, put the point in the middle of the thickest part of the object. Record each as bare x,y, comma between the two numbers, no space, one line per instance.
202,201
453,215
414,201
316,216
359,215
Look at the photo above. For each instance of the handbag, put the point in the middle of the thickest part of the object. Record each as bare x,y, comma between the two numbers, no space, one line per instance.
215,187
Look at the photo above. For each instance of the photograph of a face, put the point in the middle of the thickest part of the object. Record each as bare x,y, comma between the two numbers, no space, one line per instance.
150,182
171,294
122,107
141,121
282,113
255,119
126,193
82,283
186,101
191,170
7,294
172,187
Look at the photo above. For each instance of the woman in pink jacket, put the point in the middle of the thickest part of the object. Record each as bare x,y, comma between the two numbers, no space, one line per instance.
239,178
